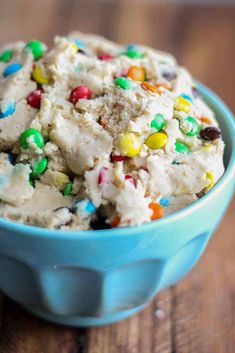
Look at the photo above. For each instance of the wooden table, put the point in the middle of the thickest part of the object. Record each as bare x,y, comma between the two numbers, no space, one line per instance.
198,314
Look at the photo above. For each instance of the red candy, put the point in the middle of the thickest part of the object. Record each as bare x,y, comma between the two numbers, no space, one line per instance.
80,92
103,177
118,158
34,98
105,57
131,179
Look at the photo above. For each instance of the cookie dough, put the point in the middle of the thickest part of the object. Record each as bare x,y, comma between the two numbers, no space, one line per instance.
96,135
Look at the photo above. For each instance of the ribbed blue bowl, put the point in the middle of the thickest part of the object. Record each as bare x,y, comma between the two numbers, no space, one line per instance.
98,277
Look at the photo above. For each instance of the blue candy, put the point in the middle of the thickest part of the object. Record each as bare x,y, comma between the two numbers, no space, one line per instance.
187,97
165,201
7,107
84,207
79,43
11,158
11,69
132,46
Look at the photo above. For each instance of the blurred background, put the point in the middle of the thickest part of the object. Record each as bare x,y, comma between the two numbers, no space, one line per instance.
201,34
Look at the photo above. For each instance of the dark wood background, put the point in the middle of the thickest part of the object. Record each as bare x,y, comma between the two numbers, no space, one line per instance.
198,314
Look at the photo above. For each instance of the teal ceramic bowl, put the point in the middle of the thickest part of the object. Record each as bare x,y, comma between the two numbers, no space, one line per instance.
98,277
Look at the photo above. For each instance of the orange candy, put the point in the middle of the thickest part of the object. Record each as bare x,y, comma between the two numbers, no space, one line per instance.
163,85
149,87
205,120
136,73
157,210
115,221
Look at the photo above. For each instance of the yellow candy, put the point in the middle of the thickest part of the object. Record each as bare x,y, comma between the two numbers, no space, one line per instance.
40,76
207,147
74,46
129,144
182,105
156,140
211,180
136,73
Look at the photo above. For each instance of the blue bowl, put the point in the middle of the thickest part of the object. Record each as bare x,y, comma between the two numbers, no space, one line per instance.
98,277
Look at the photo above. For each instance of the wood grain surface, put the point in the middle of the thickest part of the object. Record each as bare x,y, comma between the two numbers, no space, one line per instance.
198,314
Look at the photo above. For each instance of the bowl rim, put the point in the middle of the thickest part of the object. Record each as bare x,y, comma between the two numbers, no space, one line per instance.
28,230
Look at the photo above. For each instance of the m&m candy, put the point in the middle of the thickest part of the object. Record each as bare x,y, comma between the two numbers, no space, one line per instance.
79,43
182,148
34,98
39,167
129,144
156,140
164,201
105,57
118,158
7,107
6,56
11,69
205,120
103,177
136,73
115,222
211,181
158,122
157,209
187,97
134,53
189,126
83,208
36,47
80,92
182,104
68,188
123,82
41,75
210,133
147,86
33,136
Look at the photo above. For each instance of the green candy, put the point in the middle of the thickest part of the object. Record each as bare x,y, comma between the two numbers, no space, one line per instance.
37,48
123,82
68,189
37,138
134,54
180,147
6,56
158,122
39,167
189,126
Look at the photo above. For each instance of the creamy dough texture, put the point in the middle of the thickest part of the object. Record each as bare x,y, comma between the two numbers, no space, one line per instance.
125,136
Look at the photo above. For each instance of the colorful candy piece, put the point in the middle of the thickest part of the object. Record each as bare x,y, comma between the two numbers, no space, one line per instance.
118,158
123,82
105,57
132,46
205,120
164,201
136,73
157,209
182,148
11,158
11,69
158,122
79,43
182,104
83,208
129,144
80,92
115,222
7,107
210,133
211,180
103,177
163,86
131,180
6,56
36,47
41,76
68,189
187,97
34,98
134,53
32,135
189,126
147,86
39,167
156,140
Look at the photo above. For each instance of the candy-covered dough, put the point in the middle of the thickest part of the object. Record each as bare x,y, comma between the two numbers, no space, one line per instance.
95,135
